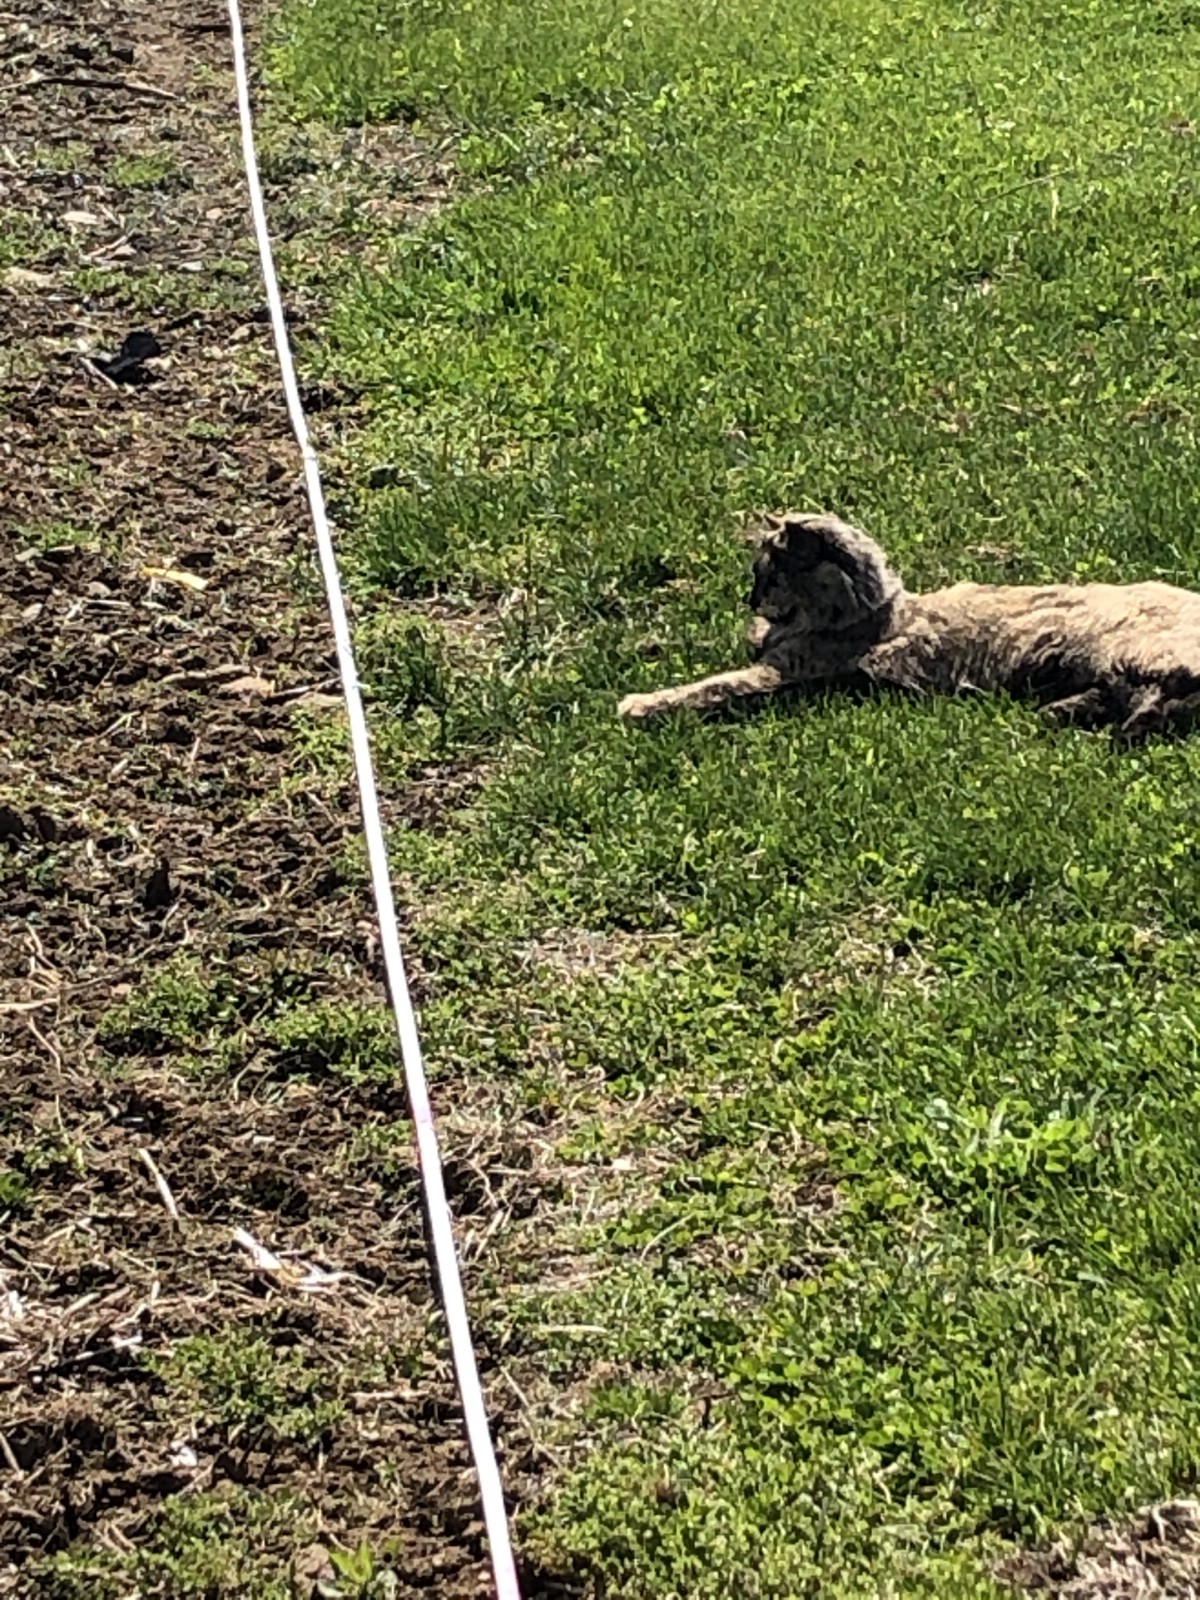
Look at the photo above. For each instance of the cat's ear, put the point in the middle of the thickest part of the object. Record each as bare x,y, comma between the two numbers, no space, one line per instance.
806,542
761,530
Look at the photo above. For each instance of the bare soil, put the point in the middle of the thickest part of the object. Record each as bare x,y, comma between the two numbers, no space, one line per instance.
160,635
1156,1555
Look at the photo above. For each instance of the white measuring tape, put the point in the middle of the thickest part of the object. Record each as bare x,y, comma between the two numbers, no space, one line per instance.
449,1276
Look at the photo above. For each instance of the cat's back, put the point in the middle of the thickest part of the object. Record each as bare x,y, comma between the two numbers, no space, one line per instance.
1151,627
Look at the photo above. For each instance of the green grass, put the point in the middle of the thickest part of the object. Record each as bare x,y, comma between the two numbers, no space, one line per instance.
225,1020
73,155
60,535
23,240
153,169
884,1089
238,1381
198,1547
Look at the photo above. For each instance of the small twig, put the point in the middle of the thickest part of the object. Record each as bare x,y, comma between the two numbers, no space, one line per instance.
1030,183
299,689
523,1401
121,723
72,81
572,1328
115,1540
7,1452
201,676
7,1006
103,249
51,1050
160,1183
262,1258
93,371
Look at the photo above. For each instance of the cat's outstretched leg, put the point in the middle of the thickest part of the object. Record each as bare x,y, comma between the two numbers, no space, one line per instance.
709,694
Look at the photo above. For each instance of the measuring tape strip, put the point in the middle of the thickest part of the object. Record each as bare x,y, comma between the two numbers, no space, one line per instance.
429,1156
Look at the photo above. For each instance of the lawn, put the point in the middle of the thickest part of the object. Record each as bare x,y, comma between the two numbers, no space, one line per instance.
864,1037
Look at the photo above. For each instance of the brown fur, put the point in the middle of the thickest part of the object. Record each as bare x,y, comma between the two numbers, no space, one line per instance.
829,611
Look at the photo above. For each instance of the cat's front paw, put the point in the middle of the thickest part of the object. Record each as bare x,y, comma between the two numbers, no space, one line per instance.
638,707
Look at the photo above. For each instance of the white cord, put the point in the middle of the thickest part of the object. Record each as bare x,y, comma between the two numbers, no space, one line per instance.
449,1276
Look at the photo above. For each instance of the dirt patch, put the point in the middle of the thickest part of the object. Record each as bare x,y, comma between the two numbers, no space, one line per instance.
162,846
1157,1555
